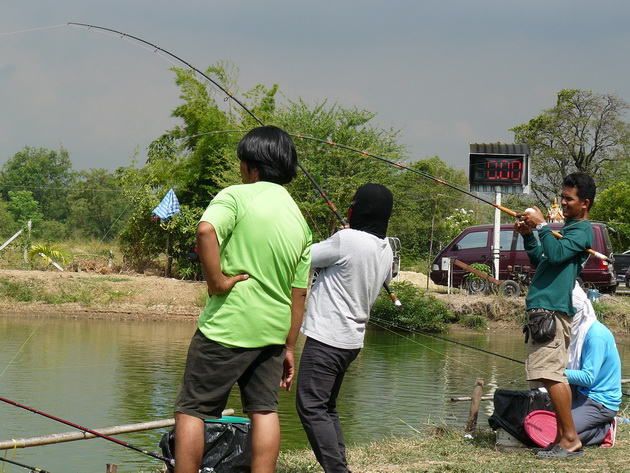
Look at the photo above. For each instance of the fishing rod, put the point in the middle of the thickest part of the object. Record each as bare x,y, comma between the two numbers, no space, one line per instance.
428,176
440,181
229,95
22,465
90,431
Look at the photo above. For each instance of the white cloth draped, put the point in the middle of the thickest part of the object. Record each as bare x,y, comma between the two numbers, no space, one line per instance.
582,321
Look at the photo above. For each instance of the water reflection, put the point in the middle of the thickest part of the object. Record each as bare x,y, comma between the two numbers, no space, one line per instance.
100,373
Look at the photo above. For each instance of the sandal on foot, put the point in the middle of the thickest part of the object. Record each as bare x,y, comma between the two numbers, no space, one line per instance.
559,452
535,450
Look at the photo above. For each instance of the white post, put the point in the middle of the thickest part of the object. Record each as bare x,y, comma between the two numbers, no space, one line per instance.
449,273
496,243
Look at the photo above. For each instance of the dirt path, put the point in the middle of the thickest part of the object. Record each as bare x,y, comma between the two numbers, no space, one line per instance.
141,296
118,295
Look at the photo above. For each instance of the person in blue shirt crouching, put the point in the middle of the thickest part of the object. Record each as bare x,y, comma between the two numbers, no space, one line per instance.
594,373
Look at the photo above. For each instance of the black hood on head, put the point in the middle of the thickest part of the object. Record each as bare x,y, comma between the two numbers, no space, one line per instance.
370,209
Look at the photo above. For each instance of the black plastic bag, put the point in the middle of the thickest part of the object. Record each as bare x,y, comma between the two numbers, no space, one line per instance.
227,447
511,408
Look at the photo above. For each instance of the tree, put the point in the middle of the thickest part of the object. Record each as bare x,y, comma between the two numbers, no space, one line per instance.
422,208
583,132
338,172
613,207
24,207
8,226
46,174
97,205
198,158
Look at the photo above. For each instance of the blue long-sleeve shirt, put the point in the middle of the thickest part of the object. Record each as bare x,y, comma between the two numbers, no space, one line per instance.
599,376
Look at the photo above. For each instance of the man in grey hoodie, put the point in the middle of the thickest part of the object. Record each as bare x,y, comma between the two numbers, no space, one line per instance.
353,265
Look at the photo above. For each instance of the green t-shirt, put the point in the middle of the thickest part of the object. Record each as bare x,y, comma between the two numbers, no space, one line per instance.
261,232
558,263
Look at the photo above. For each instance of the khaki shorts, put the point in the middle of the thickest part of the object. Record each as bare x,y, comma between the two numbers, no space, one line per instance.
548,360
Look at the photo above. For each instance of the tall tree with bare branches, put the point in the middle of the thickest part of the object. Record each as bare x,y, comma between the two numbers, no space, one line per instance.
583,132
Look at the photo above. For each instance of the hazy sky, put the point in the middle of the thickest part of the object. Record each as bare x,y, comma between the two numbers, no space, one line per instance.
448,73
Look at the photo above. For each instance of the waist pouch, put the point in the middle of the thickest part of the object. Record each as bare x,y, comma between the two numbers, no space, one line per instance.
541,326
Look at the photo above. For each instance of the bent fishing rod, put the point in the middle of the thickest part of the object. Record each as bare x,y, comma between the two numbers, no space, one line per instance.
229,95
426,175
96,433
22,465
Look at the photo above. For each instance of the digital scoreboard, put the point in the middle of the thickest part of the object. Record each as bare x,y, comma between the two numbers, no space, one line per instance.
497,169
510,169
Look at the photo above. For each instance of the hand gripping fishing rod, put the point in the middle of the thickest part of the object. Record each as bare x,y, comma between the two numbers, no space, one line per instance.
141,42
96,433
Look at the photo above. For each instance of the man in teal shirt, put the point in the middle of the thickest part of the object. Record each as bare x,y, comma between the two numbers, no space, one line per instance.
558,262
254,246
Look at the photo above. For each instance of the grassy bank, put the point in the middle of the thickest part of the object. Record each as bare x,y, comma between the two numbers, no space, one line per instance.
441,449
98,290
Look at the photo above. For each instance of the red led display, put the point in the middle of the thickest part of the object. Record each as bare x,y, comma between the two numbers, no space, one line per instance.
497,169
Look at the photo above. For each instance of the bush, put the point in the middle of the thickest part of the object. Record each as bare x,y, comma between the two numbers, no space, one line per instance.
484,268
419,310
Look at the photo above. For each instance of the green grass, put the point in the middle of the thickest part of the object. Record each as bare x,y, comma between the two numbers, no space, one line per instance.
442,449
84,291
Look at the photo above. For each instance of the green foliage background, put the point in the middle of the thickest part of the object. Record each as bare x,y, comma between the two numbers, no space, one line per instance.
197,158
420,311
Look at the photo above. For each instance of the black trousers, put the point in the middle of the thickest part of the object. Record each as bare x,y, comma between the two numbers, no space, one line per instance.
321,373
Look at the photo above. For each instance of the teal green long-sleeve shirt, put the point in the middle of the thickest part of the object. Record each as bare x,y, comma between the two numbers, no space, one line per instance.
558,263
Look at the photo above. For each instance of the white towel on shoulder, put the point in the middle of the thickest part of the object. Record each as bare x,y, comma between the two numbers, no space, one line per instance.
582,321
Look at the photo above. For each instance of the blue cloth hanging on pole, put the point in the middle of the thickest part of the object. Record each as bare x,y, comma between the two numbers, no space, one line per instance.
168,207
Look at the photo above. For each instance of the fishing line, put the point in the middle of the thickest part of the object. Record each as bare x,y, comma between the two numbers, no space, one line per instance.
90,431
432,335
385,325
21,348
32,29
416,342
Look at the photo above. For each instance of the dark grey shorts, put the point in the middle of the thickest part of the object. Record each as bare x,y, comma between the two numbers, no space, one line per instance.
212,370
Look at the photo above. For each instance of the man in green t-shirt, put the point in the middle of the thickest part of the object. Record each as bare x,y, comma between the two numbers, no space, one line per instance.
558,263
254,246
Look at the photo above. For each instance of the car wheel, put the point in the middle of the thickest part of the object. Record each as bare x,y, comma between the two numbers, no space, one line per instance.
477,286
509,289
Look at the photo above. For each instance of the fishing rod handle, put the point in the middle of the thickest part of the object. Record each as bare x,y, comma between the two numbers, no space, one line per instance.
392,296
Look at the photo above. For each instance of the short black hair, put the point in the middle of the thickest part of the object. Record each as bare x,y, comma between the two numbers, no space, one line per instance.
271,151
584,184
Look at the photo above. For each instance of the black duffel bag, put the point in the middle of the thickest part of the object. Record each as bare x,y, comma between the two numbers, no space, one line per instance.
511,408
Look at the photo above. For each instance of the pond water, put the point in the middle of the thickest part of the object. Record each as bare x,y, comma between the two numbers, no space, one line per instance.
99,373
